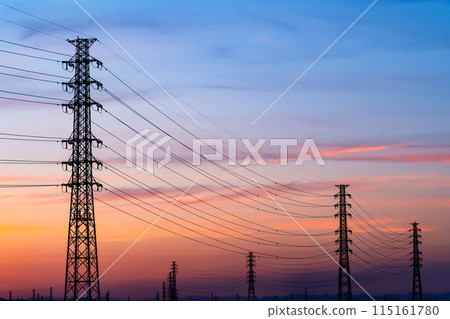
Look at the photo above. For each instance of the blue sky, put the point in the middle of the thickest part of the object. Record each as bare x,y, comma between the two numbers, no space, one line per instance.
231,59
384,84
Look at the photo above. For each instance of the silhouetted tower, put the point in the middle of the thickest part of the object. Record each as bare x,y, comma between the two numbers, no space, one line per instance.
306,294
82,262
157,296
169,286
107,297
164,291
345,283
10,295
172,280
251,276
51,293
34,295
416,259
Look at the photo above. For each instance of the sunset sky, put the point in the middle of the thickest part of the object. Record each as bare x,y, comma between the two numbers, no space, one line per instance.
376,105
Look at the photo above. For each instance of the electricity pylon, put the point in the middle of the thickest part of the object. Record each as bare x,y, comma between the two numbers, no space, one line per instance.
172,280
164,291
82,261
251,276
416,259
345,283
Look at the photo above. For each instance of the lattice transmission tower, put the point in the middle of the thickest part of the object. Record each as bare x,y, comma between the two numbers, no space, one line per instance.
251,276
164,291
417,262
172,282
345,282
82,261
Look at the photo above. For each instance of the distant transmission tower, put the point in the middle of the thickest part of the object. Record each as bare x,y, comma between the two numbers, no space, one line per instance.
416,259
164,291
82,262
172,279
251,276
345,283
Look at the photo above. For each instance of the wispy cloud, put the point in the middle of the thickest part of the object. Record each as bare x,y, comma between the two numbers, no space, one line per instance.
409,153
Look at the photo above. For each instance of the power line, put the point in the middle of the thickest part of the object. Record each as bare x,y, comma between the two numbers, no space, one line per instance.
61,26
167,230
32,136
35,30
29,138
214,178
218,193
28,185
239,176
147,188
42,19
25,139
28,78
206,117
48,21
389,230
28,101
261,254
32,95
180,225
30,56
34,72
267,242
34,48
23,161
384,237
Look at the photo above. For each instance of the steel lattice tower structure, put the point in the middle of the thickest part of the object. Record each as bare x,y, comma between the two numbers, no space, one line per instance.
164,291
251,276
172,279
169,286
82,261
345,283
416,259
